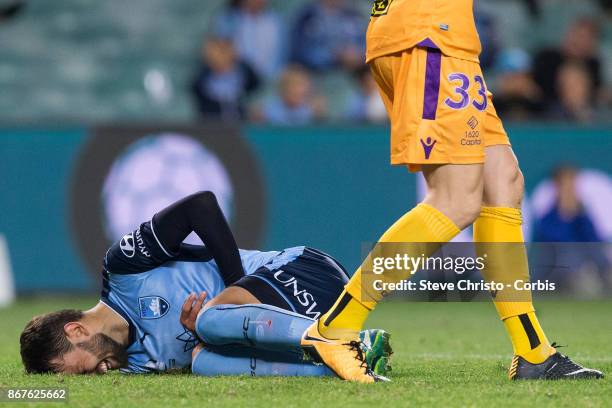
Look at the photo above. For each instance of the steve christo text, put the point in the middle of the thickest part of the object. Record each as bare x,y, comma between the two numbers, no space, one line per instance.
463,285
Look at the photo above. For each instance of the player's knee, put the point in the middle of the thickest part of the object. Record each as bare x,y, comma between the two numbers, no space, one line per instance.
512,177
205,195
463,209
518,185
205,199
467,211
466,207
456,191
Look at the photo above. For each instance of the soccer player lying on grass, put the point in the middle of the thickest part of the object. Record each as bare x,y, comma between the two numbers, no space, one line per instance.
146,318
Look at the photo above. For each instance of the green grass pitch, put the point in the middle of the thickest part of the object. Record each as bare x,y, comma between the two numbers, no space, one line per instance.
446,354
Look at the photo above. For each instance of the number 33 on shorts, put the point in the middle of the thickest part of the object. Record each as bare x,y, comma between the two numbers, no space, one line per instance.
465,121
462,92
440,109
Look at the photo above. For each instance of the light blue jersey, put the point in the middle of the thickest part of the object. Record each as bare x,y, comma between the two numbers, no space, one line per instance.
147,286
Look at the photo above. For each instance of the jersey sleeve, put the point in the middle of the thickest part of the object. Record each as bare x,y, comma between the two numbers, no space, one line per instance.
136,252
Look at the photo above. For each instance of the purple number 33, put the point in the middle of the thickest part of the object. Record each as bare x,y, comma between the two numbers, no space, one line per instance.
462,91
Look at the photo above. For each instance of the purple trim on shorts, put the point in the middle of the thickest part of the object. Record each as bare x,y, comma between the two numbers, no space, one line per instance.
428,43
432,84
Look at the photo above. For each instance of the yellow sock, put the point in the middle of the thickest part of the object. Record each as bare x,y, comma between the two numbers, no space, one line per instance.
528,338
498,233
423,224
345,318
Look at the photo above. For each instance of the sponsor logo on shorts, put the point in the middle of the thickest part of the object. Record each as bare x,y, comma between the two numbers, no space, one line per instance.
472,123
428,145
472,135
302,296
471,139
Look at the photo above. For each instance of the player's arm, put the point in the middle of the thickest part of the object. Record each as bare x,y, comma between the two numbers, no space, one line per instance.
159,241
200,213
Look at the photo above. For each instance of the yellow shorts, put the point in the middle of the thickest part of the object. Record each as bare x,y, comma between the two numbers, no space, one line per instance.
440,109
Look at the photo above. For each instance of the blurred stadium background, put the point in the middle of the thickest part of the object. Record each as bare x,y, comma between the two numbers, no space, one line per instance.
109,110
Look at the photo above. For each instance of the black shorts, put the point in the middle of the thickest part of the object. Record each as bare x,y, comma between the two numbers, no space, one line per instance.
308,285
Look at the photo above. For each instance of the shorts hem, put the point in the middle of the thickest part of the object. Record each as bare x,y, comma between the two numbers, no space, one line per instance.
264,291
466,160
499,143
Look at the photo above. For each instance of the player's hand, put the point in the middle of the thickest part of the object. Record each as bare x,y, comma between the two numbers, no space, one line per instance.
192,306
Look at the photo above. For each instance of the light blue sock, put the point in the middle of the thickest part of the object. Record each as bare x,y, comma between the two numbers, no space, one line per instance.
257,363
261,326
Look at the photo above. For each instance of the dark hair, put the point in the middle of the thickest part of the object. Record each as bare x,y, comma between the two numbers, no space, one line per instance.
43,340
562,170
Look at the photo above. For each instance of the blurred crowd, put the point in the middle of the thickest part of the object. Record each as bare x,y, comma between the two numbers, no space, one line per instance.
250,49
261,67
572,251
562,83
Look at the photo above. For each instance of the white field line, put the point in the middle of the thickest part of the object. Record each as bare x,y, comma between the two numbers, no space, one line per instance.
455,356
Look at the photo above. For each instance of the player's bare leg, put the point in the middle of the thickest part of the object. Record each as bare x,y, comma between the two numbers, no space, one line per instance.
455,190
453,202
504,183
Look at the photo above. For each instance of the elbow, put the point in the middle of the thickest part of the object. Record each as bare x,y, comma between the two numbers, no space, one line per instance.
205,201
205,196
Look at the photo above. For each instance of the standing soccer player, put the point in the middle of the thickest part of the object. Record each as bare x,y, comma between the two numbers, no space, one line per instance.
424,57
